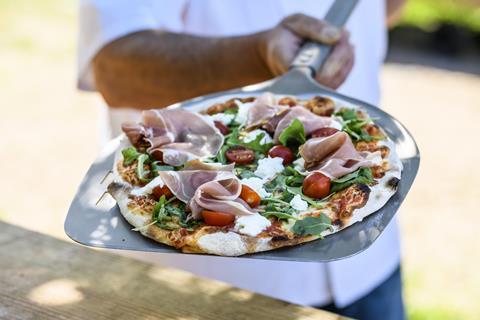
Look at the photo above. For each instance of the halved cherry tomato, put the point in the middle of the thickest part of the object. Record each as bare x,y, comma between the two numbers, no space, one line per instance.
316,185
324,132
223,128
159,191
240,155
157,155
281,152
250,196
216,218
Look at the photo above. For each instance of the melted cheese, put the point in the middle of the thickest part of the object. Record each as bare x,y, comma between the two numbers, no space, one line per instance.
251,225
269,167
226,119
252,135
298,203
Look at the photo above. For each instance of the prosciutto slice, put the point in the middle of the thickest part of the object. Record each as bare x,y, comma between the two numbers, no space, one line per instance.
263,109
311,121
178,134
206,189
200,165
335,155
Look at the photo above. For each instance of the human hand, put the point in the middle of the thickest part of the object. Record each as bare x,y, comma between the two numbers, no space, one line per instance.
280,45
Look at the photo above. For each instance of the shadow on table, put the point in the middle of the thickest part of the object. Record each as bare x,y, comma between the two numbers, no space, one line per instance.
44,278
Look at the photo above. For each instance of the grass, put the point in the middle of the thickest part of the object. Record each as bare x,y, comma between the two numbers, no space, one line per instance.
427,14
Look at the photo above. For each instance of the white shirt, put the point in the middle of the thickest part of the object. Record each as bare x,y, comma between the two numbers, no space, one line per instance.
102,21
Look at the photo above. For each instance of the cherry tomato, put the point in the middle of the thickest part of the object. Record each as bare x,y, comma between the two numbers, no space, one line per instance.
240,155
159,191
250,196
316,185
324,132
223,128
281,152
216,218
157,155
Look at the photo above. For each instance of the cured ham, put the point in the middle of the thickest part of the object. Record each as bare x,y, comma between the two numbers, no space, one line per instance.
263,109
178,134
206,189
311,121
335,155
200,165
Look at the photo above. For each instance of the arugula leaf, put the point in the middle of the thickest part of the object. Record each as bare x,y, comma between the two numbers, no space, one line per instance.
347,114
233,111
157,167
361,176
130,154
298,190
141,172
221,154
279,215
312,225
233,139
293,135
243,172
353,125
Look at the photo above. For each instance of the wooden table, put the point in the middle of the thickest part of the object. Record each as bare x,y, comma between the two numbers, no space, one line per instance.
45,278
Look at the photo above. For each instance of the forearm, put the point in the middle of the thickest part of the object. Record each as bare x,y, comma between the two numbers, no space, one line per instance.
394,11
154,69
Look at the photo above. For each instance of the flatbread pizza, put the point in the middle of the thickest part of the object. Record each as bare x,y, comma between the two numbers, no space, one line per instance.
252,174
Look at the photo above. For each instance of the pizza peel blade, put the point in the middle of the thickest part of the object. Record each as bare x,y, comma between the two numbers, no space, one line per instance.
94,219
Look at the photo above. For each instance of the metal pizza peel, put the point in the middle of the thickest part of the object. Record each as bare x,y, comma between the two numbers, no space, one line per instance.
95,220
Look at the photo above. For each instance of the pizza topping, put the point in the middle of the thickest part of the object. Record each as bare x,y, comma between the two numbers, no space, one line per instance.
221,127
316,185
210,166
220,195
262,110
250,196
181,135
223,118
298,203
240,155
269,167
313,226
216,218
281,152
309,120
252,135
160,191
257,185
324,132
251,225
361,176
334,156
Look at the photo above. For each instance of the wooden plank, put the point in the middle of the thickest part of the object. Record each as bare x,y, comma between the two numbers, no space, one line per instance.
46,278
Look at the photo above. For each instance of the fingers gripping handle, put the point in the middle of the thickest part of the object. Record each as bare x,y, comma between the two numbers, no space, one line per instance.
312,55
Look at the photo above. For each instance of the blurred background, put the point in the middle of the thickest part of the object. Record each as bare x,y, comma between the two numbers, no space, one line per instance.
431,82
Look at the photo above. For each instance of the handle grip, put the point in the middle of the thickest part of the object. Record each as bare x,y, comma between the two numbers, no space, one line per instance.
312,55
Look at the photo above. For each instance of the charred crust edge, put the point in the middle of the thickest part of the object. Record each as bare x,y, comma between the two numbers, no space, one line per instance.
393,183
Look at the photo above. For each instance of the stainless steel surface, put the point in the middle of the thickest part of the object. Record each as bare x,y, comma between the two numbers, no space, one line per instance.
101,225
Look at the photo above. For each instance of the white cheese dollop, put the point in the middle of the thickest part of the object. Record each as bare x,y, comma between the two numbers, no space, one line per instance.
257,185
251,225
147,189
252,135
269,167
299,165
242,111
298,203
226,119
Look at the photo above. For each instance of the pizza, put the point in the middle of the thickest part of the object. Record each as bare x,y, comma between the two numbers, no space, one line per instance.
252,174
